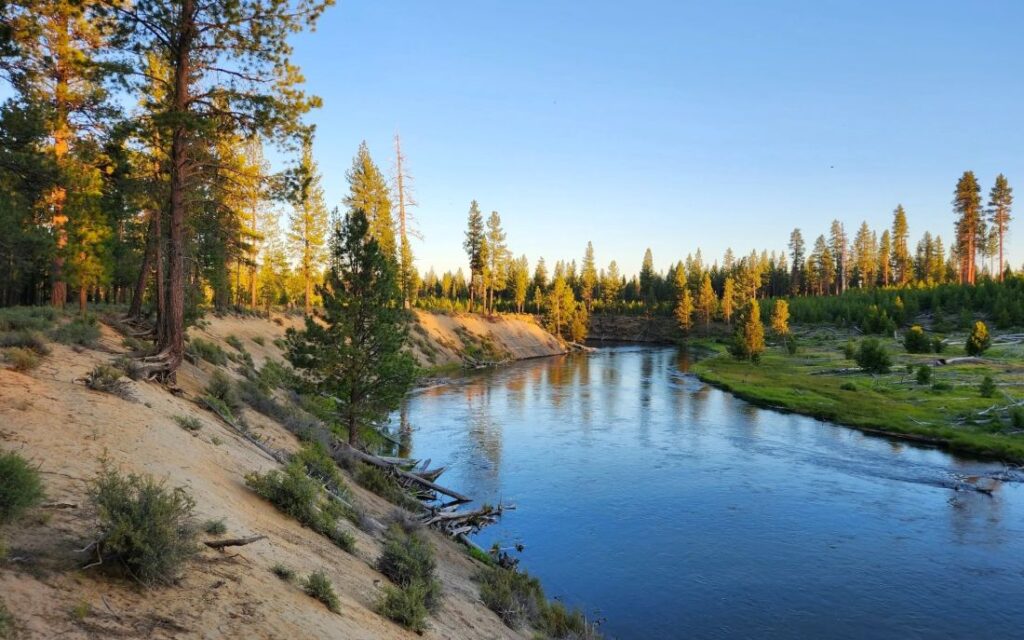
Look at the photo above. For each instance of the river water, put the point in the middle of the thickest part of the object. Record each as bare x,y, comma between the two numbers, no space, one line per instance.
667,508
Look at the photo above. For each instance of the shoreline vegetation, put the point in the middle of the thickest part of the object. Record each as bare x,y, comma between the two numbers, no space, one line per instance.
948,410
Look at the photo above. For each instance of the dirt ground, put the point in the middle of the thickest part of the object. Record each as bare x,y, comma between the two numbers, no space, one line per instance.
66,429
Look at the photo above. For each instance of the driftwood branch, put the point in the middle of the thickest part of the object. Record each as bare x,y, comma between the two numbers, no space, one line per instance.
233,542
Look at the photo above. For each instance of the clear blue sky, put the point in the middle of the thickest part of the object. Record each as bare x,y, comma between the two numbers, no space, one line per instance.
674,125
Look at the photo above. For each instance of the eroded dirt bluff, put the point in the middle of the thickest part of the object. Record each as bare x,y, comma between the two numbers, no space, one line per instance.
616,328
447,339
66,429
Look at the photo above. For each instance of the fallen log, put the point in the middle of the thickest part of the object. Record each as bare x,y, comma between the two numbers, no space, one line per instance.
344,448
233,542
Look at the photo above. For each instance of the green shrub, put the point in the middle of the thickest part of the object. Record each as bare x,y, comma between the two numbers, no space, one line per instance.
259,340
791,345
558,622
208,351
188,423
20,487
285,573
848,386
215,527
987,389
107,379
938,346
321,466
84,332
849,350
386,486
319,586
924,374
146,529
235,342
21,359
299,496
408,559
6,621
872,356
1017,417
516,597
26,340
915,340
942,386
406,606
979,340
27,318
221,388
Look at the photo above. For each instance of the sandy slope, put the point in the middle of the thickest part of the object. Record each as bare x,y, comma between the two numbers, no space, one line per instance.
66,429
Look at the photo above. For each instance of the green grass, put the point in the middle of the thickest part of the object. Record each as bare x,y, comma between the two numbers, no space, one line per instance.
317,585
810,384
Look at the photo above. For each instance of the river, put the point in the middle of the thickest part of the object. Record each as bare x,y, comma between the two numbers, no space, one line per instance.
666,508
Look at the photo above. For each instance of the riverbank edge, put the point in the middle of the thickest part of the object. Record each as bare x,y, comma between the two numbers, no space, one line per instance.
954,442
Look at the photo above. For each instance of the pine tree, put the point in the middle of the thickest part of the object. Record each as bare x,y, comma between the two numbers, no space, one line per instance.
352,353
588,277
796,249
647,280
728,299
967,206
865,256
748,340
839,248
684,302
901,263
520,282
1000,204
473,244
780,318
498,257
228,68
369,192
308,224
611,284
706,300
59,70
561,306
538,299
884,266
407,274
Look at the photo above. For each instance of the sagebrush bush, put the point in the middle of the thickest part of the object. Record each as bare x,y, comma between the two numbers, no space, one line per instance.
221,388
215,527
235,342
21,359
80,331
386,486
208,351
849,350
848,386
6,621
299,496
26,318
188,423
319,586
408,559
281,571
26,340
405,606
321,466
516,597
1017,417
107,379
20,487
147,529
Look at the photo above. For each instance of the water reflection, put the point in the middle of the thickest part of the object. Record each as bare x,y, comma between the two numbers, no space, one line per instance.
666,504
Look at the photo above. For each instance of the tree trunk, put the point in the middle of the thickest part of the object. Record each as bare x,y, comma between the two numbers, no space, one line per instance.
173,344
58,197
135,309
